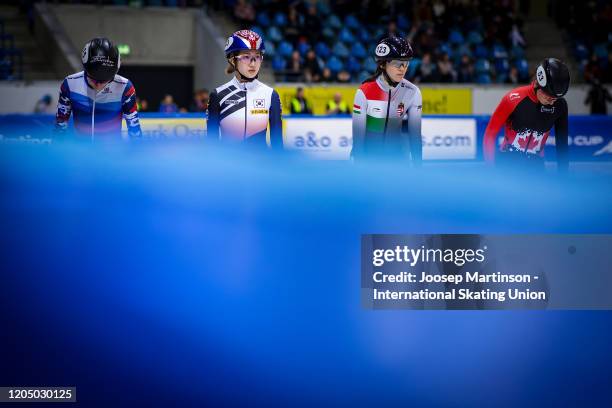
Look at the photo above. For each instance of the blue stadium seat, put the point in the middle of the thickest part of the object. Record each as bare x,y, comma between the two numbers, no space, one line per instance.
274,34
502,67
340,50
278,63
601,50
581,51
259,31
474,37
523,68
334,64
358,51
363,75
481,51
379,32
402,22
483,78
482,66
346,36
413,67
456,37
353,65
329,34
351,22
263,19
444,48
322,50
280,19
284,49
323,8
517,52
303,48
270,49
369,64
363,35
499,51
334,22
463,49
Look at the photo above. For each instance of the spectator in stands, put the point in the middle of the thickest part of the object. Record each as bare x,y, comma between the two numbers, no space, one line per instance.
513,76
294,67
44,105
167,105
608,72
466,69
200,101
516,38
427,70
312,24
312,69
244,13
299,104
336,105
392,29
592,70
293,29
445,68
597,98
343,76
142,105
327,76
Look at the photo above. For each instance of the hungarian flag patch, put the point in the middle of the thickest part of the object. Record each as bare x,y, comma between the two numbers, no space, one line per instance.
356,109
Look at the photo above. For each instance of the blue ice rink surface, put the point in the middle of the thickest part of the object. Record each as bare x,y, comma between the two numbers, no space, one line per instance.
173,275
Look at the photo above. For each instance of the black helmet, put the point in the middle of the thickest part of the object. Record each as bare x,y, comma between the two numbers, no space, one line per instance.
390,48
553,77
101,59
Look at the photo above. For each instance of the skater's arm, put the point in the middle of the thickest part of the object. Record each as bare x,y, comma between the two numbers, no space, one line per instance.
64,108
212,122
276,122
561,140
411,125
360,107
130,111
499,117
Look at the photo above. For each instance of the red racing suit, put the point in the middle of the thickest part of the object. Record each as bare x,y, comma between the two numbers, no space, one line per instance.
527,124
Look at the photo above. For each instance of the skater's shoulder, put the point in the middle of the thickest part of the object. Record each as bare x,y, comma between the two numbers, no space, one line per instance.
232,84
372,90
517,94
76,75
407,84
121,80
261,85
412,89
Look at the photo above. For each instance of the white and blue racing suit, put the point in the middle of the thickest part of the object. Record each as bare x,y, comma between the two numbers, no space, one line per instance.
97,113
243,112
